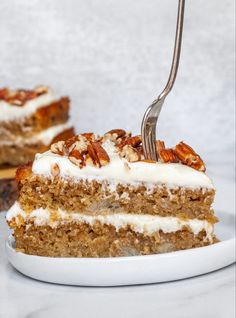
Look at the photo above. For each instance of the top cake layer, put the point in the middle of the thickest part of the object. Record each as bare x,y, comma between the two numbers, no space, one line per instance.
118,157
18,104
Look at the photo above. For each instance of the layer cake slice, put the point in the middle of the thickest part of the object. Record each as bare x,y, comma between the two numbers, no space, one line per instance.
31,120
96,196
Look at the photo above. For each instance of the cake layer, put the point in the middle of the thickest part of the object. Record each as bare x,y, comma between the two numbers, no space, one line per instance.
51,114
101,196
99,240
24,149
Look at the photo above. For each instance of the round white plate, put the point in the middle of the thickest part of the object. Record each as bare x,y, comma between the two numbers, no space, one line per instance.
130,270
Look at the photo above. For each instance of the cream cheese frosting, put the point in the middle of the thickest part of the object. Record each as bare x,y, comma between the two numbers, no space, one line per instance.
145,224
120,170
45,136
10,112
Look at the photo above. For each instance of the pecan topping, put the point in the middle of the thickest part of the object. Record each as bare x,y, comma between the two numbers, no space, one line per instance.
189,157
87,149
129,153
58,148
116,136
89,136
40,90
21,96
97,154
76,158
134,141
160,145
167,156
55,170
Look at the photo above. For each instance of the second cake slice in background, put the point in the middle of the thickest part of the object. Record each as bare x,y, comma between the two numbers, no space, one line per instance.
30,120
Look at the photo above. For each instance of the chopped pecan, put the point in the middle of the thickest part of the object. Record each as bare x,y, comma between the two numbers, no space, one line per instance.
129,153
69,142
76,157
134,141
58,148
189,157
81,145
40,90
116,135
55,170
89,136
97,155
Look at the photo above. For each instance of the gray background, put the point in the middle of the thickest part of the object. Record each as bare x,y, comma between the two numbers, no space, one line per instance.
113,57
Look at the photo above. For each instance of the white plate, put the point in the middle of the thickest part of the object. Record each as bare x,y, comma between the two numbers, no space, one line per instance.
130,270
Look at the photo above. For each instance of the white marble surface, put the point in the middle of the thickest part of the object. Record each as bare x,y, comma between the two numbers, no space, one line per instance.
208,296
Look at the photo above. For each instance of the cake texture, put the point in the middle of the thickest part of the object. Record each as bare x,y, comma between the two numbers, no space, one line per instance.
97,196
30,121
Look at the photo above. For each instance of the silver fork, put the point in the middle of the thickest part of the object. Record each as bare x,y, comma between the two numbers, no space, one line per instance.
151,115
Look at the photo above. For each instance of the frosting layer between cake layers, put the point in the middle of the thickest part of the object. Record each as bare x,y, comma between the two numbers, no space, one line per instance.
46,136
10,112
120,170
145,224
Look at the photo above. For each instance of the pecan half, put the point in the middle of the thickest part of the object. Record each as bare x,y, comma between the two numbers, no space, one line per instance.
189,157
134,141
97,155
167,156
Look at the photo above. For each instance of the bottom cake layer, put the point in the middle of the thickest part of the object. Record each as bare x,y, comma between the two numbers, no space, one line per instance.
100,240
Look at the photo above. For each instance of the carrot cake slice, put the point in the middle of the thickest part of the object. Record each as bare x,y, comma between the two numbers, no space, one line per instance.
30,120
96,196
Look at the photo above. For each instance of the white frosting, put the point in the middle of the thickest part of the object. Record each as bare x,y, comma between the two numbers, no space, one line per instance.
45,136
119,170
10,112
147,224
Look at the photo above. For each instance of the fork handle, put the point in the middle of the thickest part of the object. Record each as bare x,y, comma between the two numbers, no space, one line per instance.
151,115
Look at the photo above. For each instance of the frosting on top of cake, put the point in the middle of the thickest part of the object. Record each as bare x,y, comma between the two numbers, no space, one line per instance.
120,170
10,110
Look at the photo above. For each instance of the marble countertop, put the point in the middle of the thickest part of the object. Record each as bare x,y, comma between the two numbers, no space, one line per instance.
210,295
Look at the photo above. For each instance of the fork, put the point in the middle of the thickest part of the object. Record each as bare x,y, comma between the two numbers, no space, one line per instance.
149,122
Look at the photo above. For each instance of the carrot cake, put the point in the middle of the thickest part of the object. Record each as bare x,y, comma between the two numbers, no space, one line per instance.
30,120
96,196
